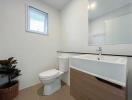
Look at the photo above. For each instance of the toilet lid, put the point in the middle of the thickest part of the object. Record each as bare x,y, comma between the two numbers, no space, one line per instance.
49,74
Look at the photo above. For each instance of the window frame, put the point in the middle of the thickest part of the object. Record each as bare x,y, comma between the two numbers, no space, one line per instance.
28,19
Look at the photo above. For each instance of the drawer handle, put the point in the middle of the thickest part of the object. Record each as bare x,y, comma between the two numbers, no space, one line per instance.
109,83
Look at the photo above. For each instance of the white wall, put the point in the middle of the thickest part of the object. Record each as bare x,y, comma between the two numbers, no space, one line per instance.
75,31
35,53
74,18
1,29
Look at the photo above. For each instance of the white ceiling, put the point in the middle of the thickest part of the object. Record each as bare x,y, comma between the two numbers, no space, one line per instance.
105,6
58,4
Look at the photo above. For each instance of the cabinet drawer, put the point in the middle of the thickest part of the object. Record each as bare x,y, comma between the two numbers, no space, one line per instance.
88,87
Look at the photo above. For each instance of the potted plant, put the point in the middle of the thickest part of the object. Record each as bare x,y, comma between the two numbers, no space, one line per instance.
9,90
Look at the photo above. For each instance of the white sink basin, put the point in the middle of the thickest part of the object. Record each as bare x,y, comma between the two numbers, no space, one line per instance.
110,68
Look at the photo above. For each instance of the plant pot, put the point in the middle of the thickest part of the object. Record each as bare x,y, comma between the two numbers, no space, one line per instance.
9,91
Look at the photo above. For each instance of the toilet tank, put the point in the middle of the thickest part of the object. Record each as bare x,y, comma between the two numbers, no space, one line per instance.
63,63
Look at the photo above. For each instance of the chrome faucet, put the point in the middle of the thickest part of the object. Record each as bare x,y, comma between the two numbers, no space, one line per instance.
99,51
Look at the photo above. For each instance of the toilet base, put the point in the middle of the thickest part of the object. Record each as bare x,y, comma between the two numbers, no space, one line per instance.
52,87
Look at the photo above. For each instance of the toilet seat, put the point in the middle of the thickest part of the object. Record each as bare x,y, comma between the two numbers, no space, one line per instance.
53,73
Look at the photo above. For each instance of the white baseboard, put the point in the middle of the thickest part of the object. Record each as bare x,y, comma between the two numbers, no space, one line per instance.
29,86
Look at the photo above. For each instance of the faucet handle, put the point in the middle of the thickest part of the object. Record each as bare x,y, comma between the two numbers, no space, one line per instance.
100,48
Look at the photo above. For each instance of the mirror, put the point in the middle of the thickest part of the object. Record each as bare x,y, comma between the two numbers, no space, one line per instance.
110,22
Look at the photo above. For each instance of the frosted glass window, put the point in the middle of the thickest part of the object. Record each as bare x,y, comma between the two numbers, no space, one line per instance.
37,21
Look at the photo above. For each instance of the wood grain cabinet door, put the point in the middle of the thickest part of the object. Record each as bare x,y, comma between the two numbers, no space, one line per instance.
86,87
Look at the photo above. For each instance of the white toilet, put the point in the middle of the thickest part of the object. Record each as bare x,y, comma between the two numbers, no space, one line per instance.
52,78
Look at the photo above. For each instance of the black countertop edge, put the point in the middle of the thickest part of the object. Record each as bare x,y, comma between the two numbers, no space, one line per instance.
94,53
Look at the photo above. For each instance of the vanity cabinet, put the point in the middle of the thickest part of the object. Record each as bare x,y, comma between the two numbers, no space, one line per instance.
87,87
